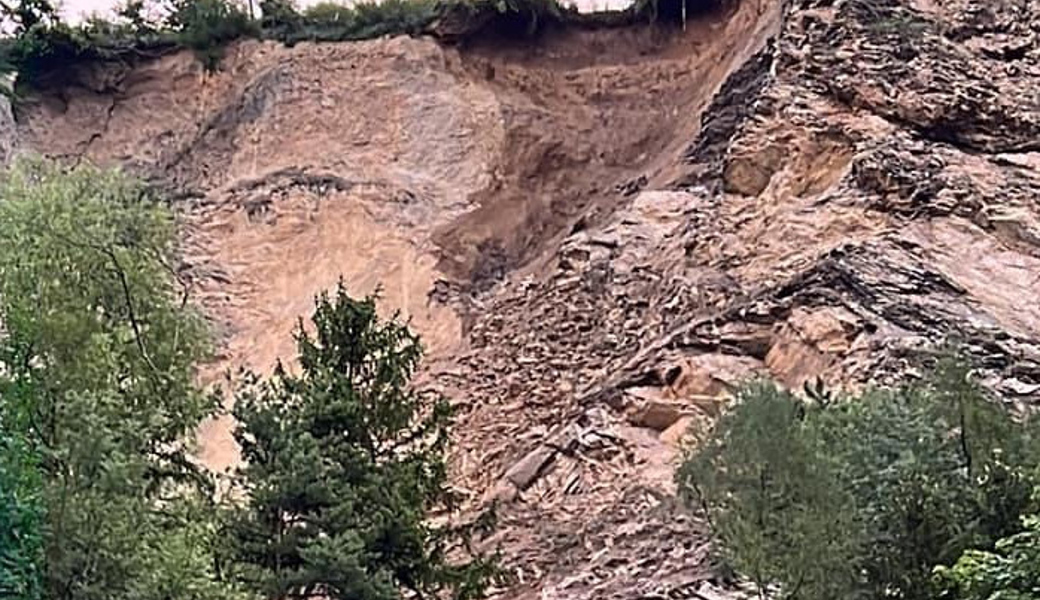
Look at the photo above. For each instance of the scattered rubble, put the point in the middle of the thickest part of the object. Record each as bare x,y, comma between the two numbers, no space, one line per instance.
864,185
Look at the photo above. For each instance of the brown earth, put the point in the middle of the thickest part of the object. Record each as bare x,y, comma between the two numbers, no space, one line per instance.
600,234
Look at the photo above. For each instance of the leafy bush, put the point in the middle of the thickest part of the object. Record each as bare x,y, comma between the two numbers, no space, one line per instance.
343,463
332,22
132,14
863,497
21,506
101,351
329,12
206,26
50,46
278,17
1011,571
41,44
21,512
41,49
773,501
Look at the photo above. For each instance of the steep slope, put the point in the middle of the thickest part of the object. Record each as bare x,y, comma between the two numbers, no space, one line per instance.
862,189
599,235
396,163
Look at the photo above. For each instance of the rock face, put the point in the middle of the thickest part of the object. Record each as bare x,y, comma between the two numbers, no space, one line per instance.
601,236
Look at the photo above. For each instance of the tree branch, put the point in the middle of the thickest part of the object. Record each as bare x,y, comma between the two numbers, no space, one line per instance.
131,314
124,284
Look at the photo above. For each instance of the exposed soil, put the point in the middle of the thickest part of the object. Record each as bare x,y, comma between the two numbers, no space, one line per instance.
601,233
397,163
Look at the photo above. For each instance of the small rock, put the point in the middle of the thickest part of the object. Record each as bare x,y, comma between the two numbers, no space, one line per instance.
677,432
504,492
525,472
658,415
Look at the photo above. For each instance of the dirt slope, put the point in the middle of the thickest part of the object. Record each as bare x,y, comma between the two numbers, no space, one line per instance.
601,234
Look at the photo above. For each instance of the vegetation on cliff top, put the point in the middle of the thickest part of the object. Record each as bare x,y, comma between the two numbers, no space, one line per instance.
39,42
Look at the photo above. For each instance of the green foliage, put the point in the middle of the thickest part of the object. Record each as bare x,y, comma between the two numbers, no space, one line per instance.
773,500
98,498
329,12
132,13
344,462
182,562
278,17
21,511
1011,571
47,44
21,505
862,497
32,46
38,50
41,44
51,46
86,275
328,21
206,26
98,356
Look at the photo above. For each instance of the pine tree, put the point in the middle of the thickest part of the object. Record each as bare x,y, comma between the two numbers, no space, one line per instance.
343,462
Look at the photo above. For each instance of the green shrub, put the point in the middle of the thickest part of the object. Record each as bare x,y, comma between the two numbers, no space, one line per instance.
132,16
1010,571
329,21
207,26
373,19
21,509
48,48
773,501
862,497
41,44
329,12
278,17
42,49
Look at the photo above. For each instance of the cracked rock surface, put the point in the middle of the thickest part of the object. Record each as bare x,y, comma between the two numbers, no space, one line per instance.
601,236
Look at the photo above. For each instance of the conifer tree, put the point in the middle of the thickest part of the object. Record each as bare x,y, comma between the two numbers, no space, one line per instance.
344,461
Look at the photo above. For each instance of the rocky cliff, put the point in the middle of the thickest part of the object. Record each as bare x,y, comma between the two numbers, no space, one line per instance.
601,233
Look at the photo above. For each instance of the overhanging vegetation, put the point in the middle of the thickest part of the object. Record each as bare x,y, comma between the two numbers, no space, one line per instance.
43,46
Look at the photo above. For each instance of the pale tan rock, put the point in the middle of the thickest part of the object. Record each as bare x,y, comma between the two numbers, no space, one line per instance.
527,469
568,222
750,173
658,415
678,432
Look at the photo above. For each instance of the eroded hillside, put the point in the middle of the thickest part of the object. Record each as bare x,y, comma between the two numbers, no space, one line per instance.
600,234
